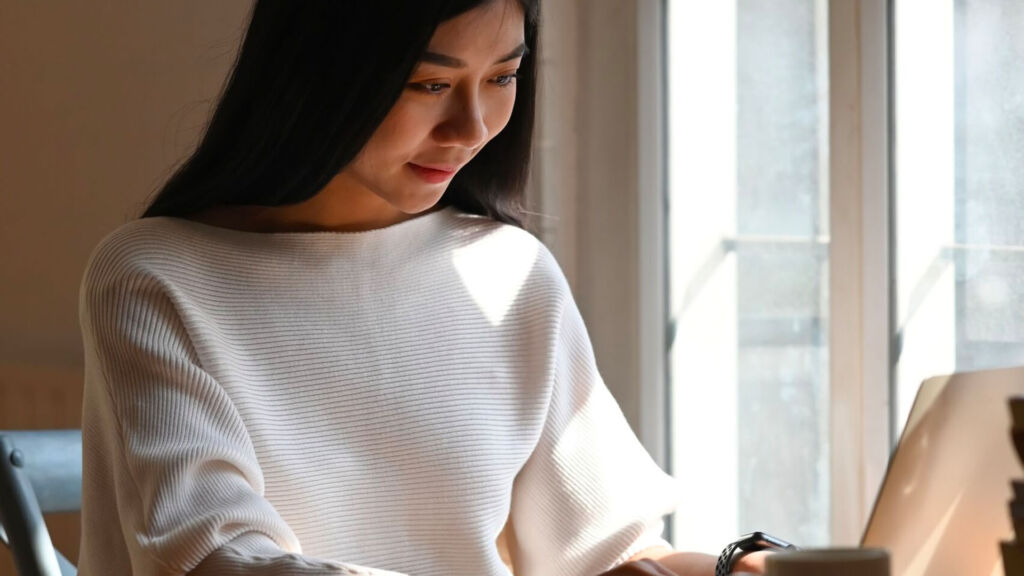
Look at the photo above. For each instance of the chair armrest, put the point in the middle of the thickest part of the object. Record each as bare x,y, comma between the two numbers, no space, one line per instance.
22,519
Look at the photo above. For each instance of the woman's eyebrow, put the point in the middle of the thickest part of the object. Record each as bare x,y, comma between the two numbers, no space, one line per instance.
453,62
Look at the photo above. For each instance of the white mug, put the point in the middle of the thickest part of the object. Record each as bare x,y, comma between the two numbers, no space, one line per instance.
828,562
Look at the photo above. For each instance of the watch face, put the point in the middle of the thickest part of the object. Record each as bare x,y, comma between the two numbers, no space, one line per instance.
761,541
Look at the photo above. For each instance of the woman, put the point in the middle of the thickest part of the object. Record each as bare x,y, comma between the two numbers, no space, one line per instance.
329,347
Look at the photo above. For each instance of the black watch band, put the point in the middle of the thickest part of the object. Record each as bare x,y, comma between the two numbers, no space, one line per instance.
724,565
749,543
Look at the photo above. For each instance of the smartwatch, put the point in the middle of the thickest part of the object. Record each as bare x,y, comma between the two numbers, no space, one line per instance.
750,543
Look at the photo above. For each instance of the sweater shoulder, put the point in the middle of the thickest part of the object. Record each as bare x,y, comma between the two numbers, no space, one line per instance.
508,270
130,250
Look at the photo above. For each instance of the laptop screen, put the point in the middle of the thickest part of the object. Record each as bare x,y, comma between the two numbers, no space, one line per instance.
942,508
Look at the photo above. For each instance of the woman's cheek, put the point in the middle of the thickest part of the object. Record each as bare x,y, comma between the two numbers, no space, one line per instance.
407,127
502,120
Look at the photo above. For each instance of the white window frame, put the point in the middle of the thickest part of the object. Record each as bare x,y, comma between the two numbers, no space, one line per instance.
859,269
605,61
652,241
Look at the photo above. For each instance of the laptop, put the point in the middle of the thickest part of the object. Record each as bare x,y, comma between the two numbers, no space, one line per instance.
943,506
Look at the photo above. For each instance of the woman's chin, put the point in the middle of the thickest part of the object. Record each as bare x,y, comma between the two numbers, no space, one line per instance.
418,203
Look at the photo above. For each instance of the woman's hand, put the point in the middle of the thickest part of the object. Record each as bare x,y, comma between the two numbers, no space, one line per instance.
641,567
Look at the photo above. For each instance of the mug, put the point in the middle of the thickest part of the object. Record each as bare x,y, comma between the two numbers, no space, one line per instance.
828,561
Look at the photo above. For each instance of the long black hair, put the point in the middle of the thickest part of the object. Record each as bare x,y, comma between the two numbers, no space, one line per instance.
311,83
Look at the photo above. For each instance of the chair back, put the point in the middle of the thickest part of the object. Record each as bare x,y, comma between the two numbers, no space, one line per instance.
40,472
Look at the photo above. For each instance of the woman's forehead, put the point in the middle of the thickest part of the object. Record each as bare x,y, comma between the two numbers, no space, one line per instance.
490,30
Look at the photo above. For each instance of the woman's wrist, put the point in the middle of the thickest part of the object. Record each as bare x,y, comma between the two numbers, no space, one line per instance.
751,562
697,564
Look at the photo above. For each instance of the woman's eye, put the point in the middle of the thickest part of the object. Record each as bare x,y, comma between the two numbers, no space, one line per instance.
438,88
429,87
506,79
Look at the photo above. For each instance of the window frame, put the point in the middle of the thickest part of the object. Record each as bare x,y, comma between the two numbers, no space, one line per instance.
860,268
574,194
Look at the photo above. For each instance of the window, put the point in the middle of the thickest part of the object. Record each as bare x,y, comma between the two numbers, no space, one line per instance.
754,385
843,183
748,236
959,188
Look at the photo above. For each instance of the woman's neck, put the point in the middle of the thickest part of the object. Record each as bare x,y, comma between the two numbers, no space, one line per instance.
338,207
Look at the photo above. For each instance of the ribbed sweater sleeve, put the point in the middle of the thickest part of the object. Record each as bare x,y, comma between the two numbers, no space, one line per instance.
188,489
590,496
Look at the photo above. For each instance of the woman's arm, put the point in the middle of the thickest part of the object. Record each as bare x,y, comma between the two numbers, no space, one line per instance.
171,481
696,564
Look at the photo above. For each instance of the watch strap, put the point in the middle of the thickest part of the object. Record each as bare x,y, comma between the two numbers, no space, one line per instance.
724,565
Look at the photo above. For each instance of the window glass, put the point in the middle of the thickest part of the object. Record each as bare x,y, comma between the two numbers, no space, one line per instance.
959,186
748,263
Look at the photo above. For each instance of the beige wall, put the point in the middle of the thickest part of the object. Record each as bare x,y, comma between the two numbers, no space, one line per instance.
98,102
607,262
586,174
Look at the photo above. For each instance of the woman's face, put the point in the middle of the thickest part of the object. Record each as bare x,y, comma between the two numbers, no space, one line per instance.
459,97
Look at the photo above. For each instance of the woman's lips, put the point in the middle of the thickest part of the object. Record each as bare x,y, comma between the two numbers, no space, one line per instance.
431,175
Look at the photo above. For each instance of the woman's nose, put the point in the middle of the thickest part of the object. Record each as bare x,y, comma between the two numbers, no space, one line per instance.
465,125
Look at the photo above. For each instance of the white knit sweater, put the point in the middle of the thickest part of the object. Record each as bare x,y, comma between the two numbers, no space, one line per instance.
347,403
